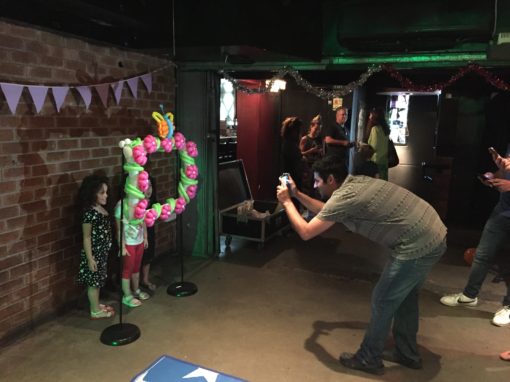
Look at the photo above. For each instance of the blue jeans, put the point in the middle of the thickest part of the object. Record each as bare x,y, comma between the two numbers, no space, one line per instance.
494,236
395,298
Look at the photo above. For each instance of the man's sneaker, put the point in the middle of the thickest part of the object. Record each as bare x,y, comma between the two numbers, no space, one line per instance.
390,356
502,316
459,299
352,362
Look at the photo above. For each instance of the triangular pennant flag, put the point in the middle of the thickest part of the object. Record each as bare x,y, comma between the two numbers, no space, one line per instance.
38,94
102,90
117,90
59,94
86,94
133,86
12,93
147,80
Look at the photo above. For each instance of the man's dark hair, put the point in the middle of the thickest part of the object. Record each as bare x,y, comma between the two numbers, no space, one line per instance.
331,165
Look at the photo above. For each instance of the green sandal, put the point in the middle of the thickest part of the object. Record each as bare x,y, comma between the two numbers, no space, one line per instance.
131,301
101,314
141,295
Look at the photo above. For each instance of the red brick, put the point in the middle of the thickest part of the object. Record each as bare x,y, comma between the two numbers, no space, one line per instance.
40,73
21,197
91,164
11,261
14,223
37,47
48,215
9,212
6,135
30,159
67,144
23,57
36,206
7,187
14,172
36,230
20,270
33,182
11,310
57,156
44,145
44,169
102,152
89,142
15,148
40,121
48,238
68,166
79,154
12,70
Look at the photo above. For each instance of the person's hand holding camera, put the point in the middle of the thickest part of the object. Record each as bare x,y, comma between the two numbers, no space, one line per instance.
286,189
502,185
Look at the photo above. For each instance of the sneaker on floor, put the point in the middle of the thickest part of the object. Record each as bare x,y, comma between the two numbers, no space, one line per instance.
459,299
390,356
352,362
502,316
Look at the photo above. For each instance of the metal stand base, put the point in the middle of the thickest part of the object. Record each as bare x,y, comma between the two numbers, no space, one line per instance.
182,289
120,334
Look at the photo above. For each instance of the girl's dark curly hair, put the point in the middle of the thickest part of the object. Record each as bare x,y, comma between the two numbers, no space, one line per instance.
89,188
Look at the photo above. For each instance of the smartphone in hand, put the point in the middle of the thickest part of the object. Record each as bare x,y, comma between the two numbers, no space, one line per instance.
493,151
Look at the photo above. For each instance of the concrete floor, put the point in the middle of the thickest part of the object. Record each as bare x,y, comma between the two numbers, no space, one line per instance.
280,314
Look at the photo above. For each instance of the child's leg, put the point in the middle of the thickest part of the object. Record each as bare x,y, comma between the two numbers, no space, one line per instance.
127,269
93,295
137,262
145,274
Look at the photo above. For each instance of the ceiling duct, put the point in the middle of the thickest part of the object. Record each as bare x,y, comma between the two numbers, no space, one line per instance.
396,26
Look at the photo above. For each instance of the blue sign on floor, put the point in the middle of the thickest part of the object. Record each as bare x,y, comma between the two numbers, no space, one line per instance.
169,369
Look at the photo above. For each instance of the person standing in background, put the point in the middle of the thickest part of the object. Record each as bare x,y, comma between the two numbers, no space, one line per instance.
379,140
336,137
291,154
311,150
97,241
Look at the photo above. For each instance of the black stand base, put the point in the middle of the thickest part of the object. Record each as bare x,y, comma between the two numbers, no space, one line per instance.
120,334
182,289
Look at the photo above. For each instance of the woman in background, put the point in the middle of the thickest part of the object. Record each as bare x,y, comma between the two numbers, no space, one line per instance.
291,154
379,139
311,150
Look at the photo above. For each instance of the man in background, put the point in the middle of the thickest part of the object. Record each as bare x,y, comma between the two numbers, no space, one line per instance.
336,137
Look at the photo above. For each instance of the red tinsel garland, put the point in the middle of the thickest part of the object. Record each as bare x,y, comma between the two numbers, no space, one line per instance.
410,85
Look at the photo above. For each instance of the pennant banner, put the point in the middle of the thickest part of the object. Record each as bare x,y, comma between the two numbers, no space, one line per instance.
86,95
38,94
12,93
133,86
117,90
59,94
102,90
147,81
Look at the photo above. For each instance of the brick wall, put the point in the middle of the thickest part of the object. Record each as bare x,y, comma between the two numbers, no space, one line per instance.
44,156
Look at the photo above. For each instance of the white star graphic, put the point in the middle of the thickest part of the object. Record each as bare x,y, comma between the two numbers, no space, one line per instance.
210,376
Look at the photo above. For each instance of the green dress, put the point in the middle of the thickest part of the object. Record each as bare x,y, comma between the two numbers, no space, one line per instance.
379,141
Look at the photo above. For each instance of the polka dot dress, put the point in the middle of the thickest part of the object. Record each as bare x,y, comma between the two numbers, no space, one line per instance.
101,237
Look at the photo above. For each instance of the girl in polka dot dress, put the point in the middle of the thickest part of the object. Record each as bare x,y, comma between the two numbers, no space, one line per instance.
97,240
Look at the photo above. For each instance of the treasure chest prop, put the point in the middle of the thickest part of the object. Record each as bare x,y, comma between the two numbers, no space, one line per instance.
240,215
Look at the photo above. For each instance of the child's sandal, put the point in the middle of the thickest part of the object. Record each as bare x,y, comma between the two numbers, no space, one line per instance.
101,314
131,301
141,295
107,308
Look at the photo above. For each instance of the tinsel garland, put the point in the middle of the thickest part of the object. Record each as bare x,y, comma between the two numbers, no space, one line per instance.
342,90
339,91
474,68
